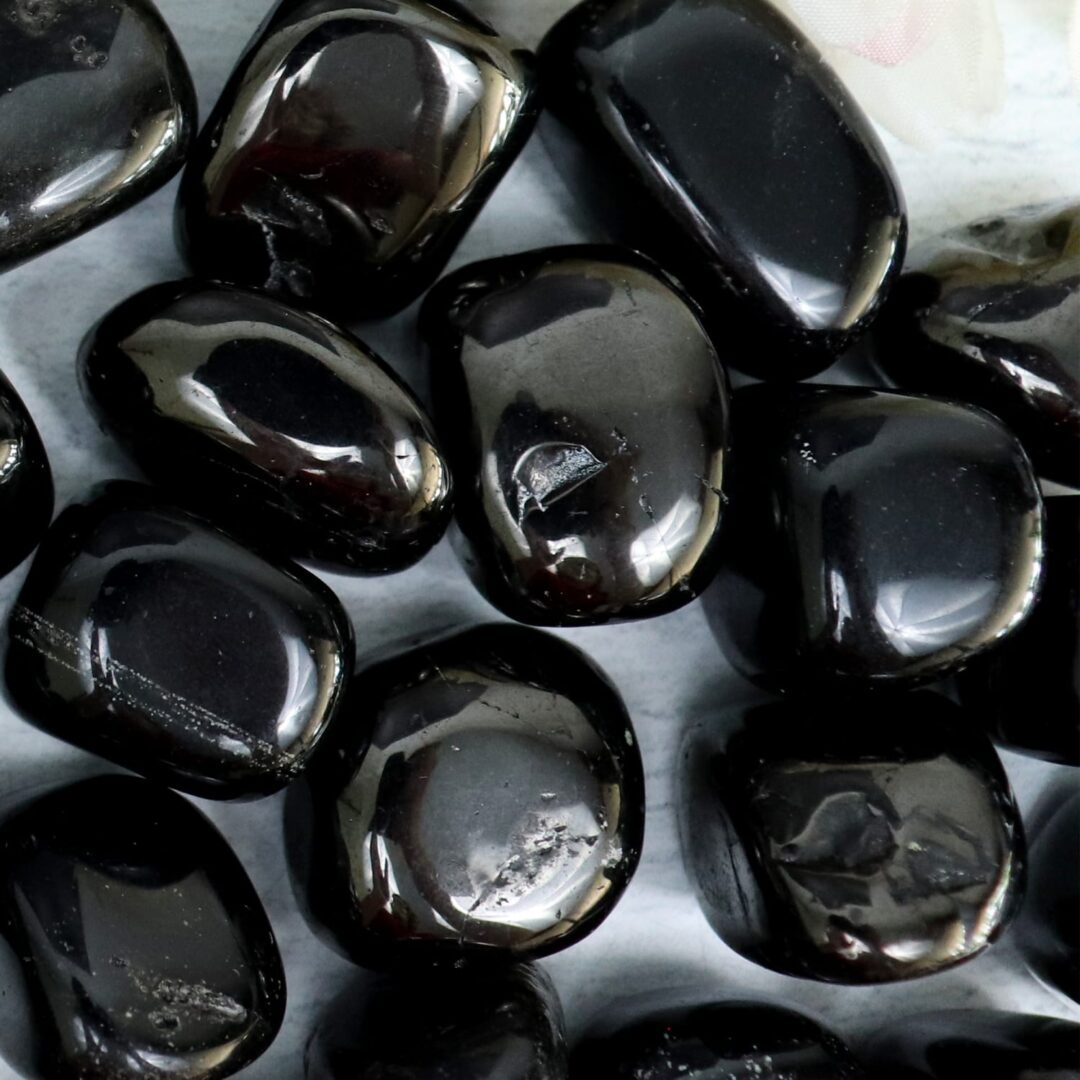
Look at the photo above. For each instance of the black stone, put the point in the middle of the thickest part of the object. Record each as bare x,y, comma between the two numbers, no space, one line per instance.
965,1044
148,636
26,487
728,148
505,1024
97,110
481,798
1027,690
854,840
585,412
732,1040
143,948
352,148
272,420
874,537
993,317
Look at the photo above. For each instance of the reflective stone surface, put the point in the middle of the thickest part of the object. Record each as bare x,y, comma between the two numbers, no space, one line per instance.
352,148
498,1025
482,797
144,950
963,1044
994,318
151,638
590,477
856,839
728,1041
872,536
97,110
728,148
273,420
1043,653
26,487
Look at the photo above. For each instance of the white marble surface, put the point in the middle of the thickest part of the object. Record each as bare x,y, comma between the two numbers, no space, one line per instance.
669,670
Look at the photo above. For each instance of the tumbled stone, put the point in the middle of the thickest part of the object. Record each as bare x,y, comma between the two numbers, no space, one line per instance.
353,146
858,839
874,537
482,797
97,110
273,420
585,413
148,636
142,945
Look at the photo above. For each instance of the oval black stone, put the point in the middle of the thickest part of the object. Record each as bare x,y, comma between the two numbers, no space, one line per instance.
97,110
585,412
874,537
143,947
854,840
483,797
729,149
352,148
273,420
148,636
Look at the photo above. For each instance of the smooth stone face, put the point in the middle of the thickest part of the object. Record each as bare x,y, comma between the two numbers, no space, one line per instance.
735,154
874,537
352,148
854,840
1027,691
149,637
585,412
97,110
273,420
993,317
26,487
962,1044
732,1041
482,798
501,1025
143,946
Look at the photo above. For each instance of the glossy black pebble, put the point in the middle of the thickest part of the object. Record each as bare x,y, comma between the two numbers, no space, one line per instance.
273,420
585,412
874,537
499,1025
482,797
143,946
730,149
97,110
352,148
853,840
26,487
731,1040
965,1044
147,636
993,317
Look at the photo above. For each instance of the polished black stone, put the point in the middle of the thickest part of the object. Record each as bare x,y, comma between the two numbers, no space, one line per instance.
273,420
585,412
97,110
143,948
726,146
856,839
148,636
993,317
26,487
977,1045
730,1040
1027,690
352,148
481,797
505,1024
873,537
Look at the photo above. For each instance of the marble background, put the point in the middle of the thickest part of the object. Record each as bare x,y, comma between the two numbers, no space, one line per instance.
668,669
